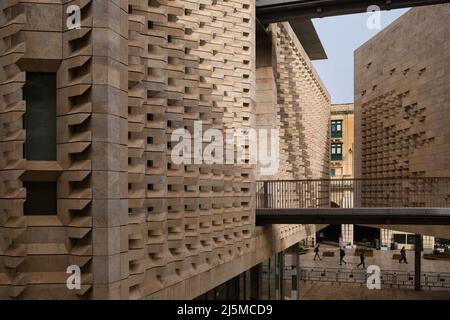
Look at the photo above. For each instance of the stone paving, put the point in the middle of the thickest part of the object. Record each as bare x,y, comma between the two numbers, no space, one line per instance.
381,258
326,291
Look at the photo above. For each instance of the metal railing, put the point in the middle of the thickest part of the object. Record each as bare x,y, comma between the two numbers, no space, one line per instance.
354,193
388,278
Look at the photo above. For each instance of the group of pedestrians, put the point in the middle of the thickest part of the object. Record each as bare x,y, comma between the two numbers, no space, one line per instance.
362,257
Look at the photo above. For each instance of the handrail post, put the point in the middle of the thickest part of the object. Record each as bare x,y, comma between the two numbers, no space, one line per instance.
417,261
266,195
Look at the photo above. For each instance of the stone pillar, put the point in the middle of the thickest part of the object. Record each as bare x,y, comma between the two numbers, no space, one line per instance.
279,274
295,265
256,282
347,234
386,237
417,261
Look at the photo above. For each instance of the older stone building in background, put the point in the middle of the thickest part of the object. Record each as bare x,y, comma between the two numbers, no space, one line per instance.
86,175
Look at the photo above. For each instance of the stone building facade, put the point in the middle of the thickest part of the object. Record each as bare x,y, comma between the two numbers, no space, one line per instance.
86,174
291,97
401,95
402,85
342,141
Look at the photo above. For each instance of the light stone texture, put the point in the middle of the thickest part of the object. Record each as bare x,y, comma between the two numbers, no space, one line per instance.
139,226
402,91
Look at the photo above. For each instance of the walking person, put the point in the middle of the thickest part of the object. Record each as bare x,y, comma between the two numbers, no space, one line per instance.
403,256
362,259
342,255
317,255
341,251
321,236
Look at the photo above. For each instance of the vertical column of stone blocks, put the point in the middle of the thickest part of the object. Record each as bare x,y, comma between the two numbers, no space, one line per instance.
221,99
241,74
199,173
12,137
192,262
177,223
144,81
71,243
147,149
267,110
92,151
156,61
134,232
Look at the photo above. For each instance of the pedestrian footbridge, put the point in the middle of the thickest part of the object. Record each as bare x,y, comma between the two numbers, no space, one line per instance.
396,201
386,201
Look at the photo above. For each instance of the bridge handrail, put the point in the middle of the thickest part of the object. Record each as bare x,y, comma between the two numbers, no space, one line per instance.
433,192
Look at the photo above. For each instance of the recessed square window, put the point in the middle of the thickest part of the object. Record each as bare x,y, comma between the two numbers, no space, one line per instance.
39,120
41,198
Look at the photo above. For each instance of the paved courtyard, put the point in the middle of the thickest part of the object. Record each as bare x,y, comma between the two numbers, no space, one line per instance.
381,258
318,290
326,291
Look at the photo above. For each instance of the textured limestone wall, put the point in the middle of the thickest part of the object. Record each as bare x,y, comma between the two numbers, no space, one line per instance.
402,94
138,225
304,110
291,98
12,137
90,65
402,80
189,61
131,219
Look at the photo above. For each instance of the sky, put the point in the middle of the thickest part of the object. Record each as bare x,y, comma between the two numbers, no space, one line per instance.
340,37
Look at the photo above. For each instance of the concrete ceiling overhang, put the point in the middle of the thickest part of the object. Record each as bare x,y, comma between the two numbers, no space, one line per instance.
272,11
307,34
300,12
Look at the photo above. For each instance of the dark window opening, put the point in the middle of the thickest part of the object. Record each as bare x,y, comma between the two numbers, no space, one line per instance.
400,238
336,128
41,198
336,152
40,117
